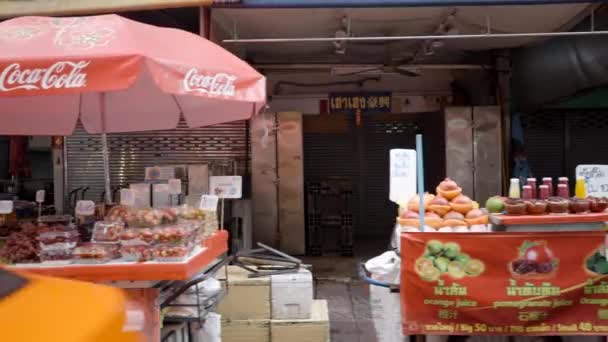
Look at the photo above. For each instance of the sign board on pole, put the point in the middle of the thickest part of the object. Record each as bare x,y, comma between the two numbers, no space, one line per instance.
226,186
596,177
402,175
127,197
209,203
85,208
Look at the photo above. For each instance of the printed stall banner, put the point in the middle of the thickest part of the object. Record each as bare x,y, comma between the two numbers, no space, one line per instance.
504,283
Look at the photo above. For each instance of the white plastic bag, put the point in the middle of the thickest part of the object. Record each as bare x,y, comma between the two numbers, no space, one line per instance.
385,267
211,331
386,306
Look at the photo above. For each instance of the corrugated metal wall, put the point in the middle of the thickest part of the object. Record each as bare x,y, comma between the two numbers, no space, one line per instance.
131,153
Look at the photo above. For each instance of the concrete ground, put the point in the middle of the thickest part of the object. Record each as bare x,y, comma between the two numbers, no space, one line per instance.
336,280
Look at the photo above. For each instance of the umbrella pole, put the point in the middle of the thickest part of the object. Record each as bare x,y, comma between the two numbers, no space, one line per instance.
104,149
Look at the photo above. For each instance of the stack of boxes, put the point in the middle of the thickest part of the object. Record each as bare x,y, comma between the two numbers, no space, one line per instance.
272,309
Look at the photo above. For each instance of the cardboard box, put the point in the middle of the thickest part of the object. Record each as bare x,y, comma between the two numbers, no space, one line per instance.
315,329
246,331
291,295
246,298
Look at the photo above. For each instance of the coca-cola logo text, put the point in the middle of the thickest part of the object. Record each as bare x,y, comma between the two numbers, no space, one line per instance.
59,75
218,84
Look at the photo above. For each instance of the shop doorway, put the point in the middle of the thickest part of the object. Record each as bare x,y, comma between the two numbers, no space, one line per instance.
346,168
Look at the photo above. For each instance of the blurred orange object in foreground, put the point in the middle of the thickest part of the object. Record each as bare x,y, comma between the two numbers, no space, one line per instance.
35,308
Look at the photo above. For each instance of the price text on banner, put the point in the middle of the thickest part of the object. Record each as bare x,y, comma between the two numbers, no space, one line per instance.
504,284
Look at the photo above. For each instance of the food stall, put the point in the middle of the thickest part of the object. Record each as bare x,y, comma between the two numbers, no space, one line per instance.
532,264
115,75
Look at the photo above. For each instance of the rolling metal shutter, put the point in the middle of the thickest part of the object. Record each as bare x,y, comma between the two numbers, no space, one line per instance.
361,154
558,140
544,143
131,153
380,134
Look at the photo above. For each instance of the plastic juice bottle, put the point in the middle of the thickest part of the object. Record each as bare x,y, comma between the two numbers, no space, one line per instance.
514,191
580,189
532,183
562,191
548,181
543,192
527,192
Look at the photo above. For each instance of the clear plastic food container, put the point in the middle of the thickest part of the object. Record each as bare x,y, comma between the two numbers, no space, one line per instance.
107,231
58,240
137,237
177,234
169,253
137,253
119,213
191,213
95,253
152,217
55,223
56,255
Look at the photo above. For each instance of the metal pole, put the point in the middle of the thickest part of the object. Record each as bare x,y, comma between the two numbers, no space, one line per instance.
420,178
104,149
426,37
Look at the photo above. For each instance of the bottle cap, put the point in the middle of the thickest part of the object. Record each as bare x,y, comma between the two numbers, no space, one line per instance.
580,178
514,180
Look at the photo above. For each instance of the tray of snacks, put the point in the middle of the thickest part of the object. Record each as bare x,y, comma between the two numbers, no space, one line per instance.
107,231
187,212
137,236
58,240
119,213
177,234
136,252
95,253
56,256
152,217
170,253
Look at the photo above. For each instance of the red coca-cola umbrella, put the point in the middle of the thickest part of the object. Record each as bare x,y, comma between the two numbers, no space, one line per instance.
117,75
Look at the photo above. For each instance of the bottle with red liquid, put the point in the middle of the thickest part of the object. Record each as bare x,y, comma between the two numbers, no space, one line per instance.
563,191
548,181
543,192
532,183
527,192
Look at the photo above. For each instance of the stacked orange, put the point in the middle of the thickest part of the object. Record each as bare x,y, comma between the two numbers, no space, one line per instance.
448,208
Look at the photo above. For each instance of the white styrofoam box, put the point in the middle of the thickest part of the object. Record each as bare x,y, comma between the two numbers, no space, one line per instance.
291,295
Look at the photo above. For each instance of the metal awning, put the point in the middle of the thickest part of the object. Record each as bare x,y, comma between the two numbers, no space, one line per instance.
15,8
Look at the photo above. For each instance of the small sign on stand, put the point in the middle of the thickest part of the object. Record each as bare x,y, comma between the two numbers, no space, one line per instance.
230,187
596,179
127,197
175,189
402,175
40,195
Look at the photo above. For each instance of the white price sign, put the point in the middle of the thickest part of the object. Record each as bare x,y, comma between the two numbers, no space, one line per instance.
402,175
596,178
226,186
127,197
208,203
40,194
85,208
175,186
6,207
